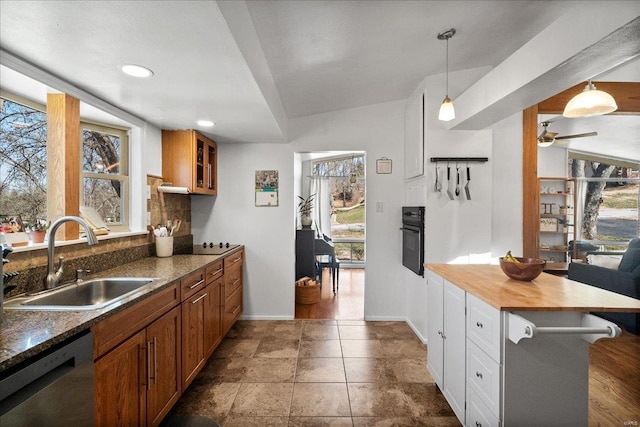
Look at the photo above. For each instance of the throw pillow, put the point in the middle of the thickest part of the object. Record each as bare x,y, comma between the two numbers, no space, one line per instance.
630,260
606,261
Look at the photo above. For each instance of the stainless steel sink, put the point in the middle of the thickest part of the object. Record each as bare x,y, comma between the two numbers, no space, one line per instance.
84,295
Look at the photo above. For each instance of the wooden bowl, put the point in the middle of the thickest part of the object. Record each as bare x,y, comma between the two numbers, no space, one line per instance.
526,270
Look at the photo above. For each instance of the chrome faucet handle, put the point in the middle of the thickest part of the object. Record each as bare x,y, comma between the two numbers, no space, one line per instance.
60,267
81,273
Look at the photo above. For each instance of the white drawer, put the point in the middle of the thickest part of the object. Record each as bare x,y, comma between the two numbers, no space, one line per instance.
483,374
484,326
478,415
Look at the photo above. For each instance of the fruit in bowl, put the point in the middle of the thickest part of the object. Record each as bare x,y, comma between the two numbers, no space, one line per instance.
524,269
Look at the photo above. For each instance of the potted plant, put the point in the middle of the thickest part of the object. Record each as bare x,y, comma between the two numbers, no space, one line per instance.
39,230
305,207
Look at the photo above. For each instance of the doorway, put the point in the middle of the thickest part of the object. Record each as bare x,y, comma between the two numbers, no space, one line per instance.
337,182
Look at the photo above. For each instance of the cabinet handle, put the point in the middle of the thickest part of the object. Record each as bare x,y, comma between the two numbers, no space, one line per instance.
209,173
236,309
478,424
479,375
216,272
197,284
155,360
148,365
199,298
237,260
235,281
479,324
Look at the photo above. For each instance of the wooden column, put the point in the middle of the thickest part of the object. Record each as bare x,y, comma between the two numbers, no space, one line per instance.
63,161
530,191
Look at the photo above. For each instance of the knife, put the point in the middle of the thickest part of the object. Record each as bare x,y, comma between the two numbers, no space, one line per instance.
449,193
466,187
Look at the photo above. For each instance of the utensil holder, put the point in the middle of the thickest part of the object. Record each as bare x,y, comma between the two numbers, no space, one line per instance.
164,246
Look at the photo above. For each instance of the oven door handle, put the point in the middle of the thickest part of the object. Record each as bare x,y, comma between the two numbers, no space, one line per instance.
410,229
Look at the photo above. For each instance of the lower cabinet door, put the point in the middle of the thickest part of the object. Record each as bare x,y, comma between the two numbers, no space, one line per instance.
193,310
120,384
435,331
163,342
232,310
478,415
455,348
213,317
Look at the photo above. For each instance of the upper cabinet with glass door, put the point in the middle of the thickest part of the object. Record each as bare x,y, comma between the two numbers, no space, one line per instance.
190,159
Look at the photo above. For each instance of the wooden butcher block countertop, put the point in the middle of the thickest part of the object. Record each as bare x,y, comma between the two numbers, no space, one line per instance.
546,293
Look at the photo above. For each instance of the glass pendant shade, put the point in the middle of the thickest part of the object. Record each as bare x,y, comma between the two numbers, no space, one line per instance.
590,102
447,112
546,143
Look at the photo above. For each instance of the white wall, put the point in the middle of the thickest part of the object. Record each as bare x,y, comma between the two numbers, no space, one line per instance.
269,233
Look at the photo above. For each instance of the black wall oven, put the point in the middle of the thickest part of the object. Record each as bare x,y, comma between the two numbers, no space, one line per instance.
413,238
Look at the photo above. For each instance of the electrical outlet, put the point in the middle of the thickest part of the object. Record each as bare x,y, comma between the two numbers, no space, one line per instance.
148,218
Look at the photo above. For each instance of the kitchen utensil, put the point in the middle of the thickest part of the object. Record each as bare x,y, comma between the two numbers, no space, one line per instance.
438,186
176,225
466,187
457,181
449,193
435,187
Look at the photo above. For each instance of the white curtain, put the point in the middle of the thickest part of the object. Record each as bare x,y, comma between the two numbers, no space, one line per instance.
321,213
581,196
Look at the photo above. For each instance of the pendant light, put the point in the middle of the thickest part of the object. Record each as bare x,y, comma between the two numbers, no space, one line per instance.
590,102
447,112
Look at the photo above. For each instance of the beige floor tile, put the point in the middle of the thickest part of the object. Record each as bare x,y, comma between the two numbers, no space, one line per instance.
208,400
320,399
406,349
320,348
239,421
226,370
262,400
233,348
319,331
320,422
248,329
352,322
362,348
274,370
356,332
277,348
397,400
368,370
410,370
284,330
320,370
405,422
394,330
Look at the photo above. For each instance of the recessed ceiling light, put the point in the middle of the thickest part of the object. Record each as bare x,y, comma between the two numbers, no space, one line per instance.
137,71
205,123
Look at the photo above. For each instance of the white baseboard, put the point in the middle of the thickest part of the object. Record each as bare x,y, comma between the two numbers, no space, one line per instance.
415,331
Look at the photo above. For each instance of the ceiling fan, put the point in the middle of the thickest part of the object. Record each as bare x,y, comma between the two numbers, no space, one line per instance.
547,138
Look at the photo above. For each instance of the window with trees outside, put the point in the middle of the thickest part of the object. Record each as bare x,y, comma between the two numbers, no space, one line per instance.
608,192
347,184
23,165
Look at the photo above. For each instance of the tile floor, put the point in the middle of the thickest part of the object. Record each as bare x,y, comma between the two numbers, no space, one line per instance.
318,373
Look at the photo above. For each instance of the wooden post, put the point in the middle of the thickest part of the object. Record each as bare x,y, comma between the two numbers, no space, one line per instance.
63,161
530,191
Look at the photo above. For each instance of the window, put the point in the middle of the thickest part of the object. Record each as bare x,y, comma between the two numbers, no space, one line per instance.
23,159
105,173
104,167
346,183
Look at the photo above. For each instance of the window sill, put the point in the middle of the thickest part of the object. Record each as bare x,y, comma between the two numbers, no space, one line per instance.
113,235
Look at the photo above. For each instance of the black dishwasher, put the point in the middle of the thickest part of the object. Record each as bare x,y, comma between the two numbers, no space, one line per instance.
54,388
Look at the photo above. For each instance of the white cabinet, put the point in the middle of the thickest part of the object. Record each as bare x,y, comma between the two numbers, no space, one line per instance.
447,340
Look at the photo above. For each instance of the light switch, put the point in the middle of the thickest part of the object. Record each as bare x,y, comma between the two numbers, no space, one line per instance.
379,207
148,218
148,191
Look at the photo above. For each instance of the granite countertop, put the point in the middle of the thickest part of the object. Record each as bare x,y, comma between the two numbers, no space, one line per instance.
25,333
545,293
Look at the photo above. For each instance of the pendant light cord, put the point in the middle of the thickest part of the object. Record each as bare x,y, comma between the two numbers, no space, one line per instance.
447,85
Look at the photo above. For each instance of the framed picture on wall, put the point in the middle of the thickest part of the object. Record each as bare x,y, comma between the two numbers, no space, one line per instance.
266,188
548,224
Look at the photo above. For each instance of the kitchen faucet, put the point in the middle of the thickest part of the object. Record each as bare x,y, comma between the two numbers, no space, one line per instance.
54,276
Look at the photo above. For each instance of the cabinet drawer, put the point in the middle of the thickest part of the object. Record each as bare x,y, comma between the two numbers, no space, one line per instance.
232,309
192,284
478,415
233,259
232,279
483,374
214,271
483,326
113,330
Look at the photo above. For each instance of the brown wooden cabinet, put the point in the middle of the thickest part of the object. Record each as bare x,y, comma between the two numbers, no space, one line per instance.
138,381
232,290
190,159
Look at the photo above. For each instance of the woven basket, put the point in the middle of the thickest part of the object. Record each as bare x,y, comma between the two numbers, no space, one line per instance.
307,294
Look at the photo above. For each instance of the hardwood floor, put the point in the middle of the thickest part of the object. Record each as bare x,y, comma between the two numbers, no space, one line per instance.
614,365
347,304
